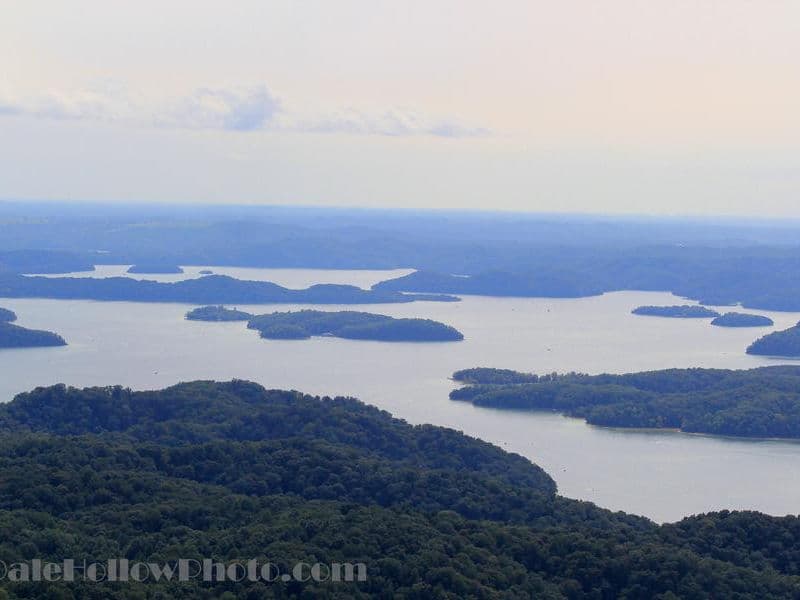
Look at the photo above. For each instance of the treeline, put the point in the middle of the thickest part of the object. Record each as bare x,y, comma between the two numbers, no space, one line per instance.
230,471
762,402
212,289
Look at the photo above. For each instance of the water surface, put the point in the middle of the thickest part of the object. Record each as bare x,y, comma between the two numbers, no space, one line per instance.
662,475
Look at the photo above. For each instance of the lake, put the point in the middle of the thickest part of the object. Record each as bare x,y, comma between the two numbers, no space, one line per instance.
662,475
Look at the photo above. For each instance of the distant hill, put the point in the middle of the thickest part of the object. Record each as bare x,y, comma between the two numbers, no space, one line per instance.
734,319
676,312
211,289
780,343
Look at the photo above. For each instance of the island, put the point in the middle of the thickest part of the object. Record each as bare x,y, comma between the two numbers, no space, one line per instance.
734,319
206,272
758,403
210,289
784,343
351,325
230,470
676,312
7,316
217,313
156,269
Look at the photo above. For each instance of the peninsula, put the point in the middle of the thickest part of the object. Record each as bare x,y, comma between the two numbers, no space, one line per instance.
14,336
784,343
761,403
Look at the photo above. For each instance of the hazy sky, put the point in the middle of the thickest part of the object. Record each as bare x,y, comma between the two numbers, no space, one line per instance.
643,106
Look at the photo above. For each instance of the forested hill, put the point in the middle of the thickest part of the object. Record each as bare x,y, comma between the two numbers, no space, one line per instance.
231,471
763,402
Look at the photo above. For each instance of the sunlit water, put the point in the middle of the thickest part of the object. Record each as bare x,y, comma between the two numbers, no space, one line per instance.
663,475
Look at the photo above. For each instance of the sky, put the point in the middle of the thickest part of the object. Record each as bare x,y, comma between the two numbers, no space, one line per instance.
644,107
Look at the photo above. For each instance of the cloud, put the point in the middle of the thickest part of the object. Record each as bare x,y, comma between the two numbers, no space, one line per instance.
396,122
250,109
234,109
103,101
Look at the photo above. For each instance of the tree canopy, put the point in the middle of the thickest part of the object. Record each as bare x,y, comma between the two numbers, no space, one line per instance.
230,471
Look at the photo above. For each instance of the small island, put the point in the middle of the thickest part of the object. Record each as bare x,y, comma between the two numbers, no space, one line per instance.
155,269
351,325
734,319
14,336
757,403
206,272
676,312
784,343
217,314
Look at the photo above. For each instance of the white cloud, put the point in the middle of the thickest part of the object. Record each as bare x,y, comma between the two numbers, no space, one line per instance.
234,109
397,122
250,109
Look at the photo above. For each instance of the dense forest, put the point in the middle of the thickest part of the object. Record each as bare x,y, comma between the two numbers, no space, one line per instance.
725,263
352,325
212,289
231,471
734,319
217,313
763,402
156,269
778,343
676,312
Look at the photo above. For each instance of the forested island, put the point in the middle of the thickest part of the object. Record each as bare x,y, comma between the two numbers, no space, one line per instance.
762,403
351,325
734,319
212,289
14,336
217,313
676,312
229,471
779,343
156,269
